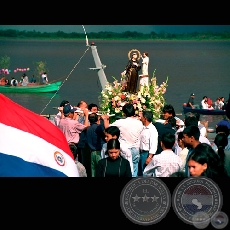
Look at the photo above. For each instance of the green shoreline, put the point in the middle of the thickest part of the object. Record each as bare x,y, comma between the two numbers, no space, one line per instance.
106,39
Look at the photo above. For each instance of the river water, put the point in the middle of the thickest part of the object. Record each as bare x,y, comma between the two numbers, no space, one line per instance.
200,67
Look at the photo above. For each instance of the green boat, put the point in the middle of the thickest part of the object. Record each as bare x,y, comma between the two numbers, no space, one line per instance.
32,88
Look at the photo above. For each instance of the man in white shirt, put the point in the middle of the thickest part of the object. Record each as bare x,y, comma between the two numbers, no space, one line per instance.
130,130
148,141
13,82
221,102
204,103
167,162
44,78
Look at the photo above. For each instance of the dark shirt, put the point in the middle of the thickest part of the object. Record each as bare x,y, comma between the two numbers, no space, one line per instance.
94,136
83,140
103,135
224,106
82,137
190,151
190,100
113,168
224,123
162,128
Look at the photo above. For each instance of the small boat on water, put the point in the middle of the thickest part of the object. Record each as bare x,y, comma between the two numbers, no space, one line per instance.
204,111
32,88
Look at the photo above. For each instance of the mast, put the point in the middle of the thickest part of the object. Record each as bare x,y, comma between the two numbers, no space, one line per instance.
99,66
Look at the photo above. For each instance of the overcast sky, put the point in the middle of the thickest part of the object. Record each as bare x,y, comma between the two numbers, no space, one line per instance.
119,28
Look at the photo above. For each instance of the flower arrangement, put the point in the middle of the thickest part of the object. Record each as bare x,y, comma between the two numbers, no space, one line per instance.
114,97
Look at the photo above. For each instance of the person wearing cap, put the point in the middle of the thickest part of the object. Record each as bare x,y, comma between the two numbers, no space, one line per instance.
58,116
70,126
131,73
191,101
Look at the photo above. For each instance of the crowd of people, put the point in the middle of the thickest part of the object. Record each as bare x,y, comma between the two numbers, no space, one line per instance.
136,145
24,80
207,103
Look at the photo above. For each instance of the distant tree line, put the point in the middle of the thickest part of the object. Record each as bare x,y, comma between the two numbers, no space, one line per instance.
112,35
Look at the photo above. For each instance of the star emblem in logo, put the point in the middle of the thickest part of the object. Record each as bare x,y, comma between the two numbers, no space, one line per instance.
136,198
154,198
145,201
145,198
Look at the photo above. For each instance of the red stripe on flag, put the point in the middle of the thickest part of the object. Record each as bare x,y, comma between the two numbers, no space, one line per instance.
15,115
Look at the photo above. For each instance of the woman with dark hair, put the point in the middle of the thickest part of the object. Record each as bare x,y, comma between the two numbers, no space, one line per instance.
205,162
130,131
222,129
221,141
114,165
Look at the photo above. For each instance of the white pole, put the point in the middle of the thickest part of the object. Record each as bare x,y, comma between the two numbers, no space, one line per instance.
99,67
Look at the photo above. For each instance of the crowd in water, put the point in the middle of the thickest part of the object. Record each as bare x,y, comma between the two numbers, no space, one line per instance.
135,146
24,80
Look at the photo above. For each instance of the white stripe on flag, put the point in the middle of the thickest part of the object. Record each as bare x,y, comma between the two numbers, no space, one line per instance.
203,199
33,149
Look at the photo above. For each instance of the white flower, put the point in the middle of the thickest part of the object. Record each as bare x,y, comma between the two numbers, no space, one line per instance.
139,94
117,98
151,99
117,110
143,100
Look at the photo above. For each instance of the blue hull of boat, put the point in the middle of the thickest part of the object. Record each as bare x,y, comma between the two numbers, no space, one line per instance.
204,111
